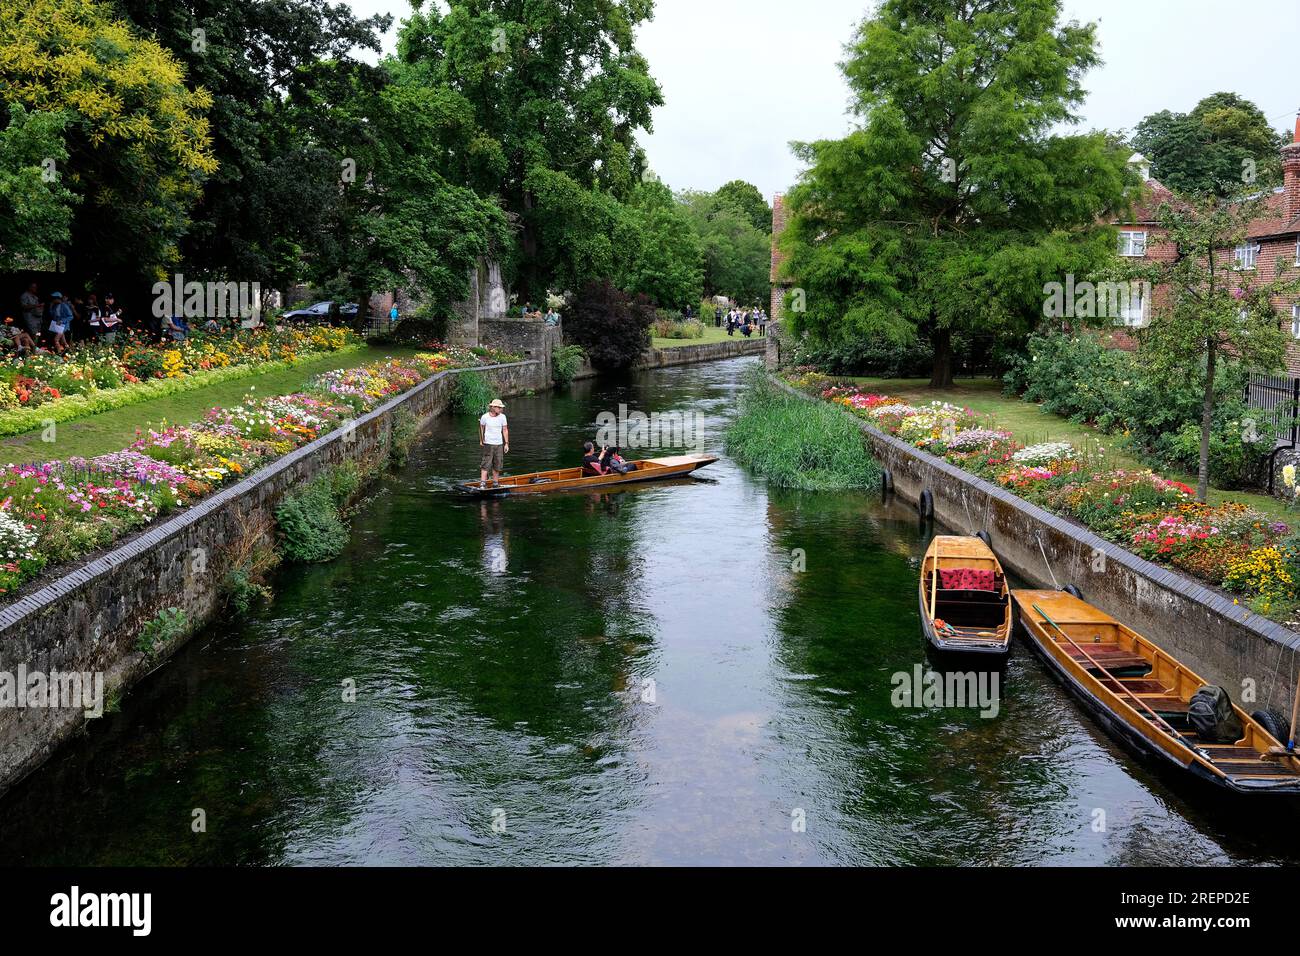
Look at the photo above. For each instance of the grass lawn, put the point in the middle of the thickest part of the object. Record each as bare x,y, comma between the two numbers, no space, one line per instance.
1030,424
114,430
710,335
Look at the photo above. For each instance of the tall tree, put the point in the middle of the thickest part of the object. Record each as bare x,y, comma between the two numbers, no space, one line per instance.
746,198
954,202
35,205
1207,311
562,89
262,212
398,222
1222,147
737,256
138,138
667,265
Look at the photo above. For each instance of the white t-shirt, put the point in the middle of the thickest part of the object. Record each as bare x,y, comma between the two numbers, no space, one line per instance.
493,425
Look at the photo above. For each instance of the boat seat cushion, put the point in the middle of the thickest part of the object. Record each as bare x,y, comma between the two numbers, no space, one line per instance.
967,579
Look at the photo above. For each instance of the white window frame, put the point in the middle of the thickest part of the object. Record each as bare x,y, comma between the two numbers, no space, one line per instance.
1133,243
1245,256
1295,321
1134,318
1297,250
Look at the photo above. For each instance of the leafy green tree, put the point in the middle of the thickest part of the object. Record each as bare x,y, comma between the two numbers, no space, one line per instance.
35,205
562,90
399,221
137,137
667,265
264,209
954,202
737,256
746,198
1222,147
1206,311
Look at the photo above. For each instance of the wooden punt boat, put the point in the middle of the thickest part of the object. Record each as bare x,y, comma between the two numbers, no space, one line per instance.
1140,694
965,607
573,479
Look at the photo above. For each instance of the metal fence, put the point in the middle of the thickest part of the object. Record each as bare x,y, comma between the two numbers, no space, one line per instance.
1277,397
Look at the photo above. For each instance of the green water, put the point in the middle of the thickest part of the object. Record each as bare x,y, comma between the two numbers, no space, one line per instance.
640,677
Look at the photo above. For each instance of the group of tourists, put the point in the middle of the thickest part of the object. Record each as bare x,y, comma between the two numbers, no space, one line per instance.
744,321
51,323
550,317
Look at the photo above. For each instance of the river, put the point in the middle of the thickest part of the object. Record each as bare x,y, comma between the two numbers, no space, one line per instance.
695,673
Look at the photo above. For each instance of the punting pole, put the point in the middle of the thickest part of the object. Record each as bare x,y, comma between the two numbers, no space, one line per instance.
934,581
1164,724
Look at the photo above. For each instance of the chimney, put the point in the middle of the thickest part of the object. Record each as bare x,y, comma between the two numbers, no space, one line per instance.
779,219
1291,174
1143,167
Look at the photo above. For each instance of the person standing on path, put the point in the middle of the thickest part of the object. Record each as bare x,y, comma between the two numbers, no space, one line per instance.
33,310
494,439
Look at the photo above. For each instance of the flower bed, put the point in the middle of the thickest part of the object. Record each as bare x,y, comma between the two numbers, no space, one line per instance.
57,511
1229,545
94,376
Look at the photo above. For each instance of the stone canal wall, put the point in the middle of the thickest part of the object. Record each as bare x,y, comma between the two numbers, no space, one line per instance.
1224,642
87,620
690,354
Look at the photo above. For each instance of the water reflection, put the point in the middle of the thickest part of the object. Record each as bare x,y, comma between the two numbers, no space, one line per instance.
692,672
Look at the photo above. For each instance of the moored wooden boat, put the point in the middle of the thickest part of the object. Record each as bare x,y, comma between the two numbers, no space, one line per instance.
1140,694
965,606
573,479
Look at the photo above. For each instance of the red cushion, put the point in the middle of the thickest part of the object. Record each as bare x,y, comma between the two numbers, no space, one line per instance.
967,579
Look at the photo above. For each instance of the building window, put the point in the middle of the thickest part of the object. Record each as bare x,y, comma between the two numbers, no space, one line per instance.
1297,252
1295,321
1132,243
1133,313
1245,255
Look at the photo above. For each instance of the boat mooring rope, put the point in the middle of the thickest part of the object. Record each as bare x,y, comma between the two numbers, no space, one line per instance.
1038,535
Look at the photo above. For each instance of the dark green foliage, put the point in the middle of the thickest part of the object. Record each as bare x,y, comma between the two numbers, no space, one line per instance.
311,525
1081,379
470,393
957,199
1222,147
167,626
737,256
798,443
406,428
749,202
565,362
612,327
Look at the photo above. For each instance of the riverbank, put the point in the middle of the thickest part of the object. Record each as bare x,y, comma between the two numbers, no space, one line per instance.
1253,658
87,620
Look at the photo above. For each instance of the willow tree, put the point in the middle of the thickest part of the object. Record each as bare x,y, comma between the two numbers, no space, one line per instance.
954,201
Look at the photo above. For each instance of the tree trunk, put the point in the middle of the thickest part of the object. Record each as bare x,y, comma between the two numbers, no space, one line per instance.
1207,423
941,376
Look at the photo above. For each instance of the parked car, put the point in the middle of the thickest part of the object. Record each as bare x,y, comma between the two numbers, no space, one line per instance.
320,312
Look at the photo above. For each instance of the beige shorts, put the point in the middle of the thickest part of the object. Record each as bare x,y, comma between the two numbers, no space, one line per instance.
494,458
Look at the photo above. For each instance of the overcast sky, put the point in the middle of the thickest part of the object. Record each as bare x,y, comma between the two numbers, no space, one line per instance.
742,78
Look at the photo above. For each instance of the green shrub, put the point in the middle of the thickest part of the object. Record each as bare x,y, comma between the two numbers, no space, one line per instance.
406,428
1080,378
167,626
566,360
470,393
796,443
672,329
311,526
612,327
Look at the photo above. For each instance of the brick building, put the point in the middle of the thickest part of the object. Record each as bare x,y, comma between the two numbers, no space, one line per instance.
780,216
1272,244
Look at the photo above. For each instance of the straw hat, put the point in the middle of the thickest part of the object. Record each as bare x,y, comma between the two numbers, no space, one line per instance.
496,403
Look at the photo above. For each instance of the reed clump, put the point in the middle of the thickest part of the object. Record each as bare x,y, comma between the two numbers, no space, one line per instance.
795,443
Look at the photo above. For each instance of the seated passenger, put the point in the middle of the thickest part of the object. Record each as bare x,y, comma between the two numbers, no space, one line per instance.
594,462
